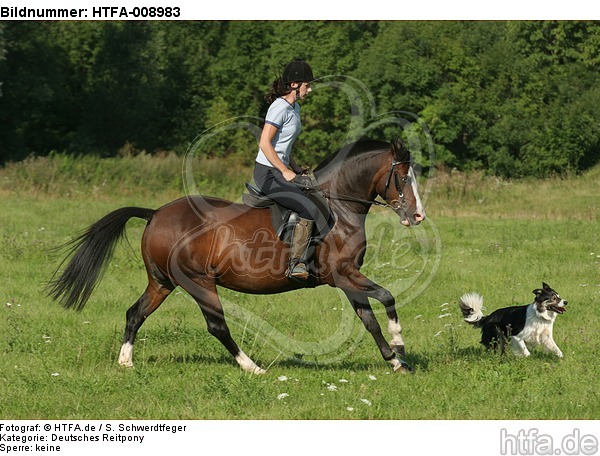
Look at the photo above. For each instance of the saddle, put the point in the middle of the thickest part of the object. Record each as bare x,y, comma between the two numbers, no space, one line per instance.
284,219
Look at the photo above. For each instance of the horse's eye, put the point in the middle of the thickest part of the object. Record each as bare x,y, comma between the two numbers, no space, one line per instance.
406,180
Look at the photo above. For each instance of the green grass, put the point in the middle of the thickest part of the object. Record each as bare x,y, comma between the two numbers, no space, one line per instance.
498,238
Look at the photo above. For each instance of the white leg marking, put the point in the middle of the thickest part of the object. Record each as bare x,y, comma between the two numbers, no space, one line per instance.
395,330
247,364
126,355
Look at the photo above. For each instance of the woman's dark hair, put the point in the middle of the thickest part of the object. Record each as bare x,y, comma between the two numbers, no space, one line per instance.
277,89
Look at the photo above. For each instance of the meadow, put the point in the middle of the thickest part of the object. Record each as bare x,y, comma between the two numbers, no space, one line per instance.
500,238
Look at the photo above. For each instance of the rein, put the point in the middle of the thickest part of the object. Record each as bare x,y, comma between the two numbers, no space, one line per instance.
356,200
397,206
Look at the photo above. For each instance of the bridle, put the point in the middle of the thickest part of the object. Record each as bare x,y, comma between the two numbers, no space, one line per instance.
398,205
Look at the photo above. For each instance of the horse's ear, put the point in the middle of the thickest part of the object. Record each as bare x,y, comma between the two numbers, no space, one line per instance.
400,150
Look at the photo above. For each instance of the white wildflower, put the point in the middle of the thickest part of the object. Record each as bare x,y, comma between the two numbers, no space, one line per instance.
372,377
366,401
332,388
55,374
343,380
282,378
445,315
282,396
350,409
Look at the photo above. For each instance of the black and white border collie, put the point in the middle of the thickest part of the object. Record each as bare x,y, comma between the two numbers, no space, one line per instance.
531,323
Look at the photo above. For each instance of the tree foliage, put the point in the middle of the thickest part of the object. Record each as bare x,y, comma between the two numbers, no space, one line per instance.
2,50
514,98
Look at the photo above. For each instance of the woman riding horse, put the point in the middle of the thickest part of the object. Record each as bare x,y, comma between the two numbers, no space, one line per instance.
200,243
272,171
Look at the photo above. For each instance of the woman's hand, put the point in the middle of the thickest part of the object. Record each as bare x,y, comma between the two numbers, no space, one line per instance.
288,175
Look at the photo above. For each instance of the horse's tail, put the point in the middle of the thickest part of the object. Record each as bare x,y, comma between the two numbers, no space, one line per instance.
471,306
91,252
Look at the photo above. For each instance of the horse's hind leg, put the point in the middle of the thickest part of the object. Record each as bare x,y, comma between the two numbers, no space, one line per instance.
206,296
153,297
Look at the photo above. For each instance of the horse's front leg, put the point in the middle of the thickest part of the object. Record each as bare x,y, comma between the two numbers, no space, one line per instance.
394,328
382,295
358,290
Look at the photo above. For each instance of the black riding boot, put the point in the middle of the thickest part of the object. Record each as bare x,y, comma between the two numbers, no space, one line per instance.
300,239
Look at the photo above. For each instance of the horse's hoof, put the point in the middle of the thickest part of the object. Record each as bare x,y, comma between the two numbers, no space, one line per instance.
403,368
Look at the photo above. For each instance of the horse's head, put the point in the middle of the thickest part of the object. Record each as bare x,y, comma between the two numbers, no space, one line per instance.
398,186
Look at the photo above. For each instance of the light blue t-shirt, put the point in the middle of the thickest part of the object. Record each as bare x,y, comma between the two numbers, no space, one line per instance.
286,118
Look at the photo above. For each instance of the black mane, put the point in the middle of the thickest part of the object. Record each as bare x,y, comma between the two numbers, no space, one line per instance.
357,148
352,150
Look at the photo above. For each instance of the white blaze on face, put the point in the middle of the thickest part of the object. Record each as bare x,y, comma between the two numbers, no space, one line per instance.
418,203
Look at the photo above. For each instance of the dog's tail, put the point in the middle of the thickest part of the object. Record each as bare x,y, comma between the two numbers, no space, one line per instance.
471,306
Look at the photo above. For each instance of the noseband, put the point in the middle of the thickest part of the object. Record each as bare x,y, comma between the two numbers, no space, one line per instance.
398,205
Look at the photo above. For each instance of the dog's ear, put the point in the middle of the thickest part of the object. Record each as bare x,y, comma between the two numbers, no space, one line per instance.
537,292
545,286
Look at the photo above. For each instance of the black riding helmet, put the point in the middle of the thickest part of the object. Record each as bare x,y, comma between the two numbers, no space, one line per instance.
297,71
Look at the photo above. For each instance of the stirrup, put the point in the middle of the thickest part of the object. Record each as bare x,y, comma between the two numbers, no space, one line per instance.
297,271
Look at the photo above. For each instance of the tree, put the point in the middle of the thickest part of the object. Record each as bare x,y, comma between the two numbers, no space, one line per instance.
37,113
513,98
2,50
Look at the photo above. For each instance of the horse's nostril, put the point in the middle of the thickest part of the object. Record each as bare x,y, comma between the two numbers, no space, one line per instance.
419,217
